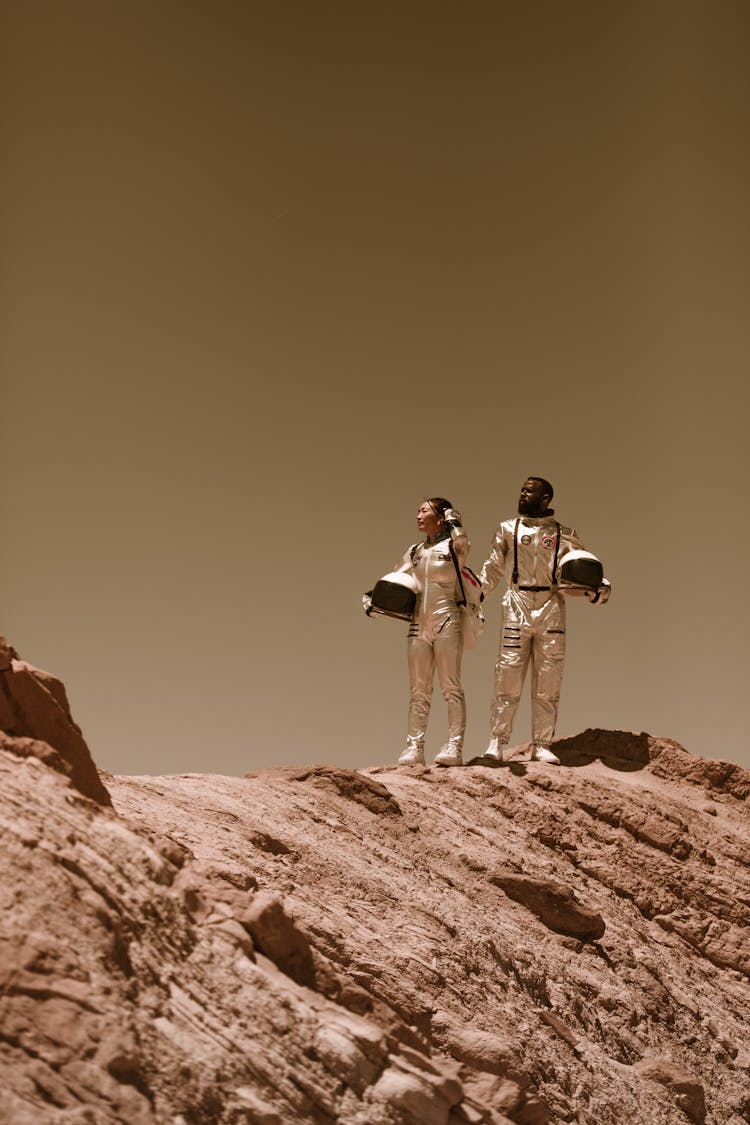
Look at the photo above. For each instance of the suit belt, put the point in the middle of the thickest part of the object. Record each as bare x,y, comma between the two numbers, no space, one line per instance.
535,589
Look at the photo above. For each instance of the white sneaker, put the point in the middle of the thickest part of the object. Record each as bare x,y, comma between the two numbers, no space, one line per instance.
411,756
449,756
543,754
495,749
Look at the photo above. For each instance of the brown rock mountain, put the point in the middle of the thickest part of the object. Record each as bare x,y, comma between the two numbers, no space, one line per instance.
421,946
35,713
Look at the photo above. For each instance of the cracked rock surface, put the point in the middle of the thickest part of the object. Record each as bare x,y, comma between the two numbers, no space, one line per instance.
522,944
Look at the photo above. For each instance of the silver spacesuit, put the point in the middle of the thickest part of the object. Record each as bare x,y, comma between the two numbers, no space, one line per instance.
435,641
527,551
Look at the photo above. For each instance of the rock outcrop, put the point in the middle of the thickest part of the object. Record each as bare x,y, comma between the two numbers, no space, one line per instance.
389,947
35,720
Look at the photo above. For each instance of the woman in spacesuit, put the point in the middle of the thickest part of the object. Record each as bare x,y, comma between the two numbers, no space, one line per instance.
435,638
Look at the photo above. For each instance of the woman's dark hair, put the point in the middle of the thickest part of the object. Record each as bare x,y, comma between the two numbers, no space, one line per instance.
440,504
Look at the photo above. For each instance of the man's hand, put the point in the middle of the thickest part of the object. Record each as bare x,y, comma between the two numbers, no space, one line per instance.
452,517
600,595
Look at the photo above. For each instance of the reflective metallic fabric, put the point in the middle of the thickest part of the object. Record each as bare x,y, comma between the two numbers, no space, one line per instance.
424,657
435,639
533,630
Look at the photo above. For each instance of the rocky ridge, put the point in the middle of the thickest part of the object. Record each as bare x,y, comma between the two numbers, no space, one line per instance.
521,944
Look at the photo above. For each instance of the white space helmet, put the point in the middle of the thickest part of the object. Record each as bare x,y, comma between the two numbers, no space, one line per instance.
394,595
402,578
579,573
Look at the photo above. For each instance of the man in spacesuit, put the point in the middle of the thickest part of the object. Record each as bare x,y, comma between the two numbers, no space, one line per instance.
528,551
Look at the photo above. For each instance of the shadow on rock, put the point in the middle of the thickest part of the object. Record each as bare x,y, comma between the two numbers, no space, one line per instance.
518,769
619,749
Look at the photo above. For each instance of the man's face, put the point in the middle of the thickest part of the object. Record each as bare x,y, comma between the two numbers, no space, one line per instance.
533,501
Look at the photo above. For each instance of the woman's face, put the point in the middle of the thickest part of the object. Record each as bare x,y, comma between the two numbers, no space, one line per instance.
428,521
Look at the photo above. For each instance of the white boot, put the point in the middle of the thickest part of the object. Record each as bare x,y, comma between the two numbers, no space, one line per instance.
413,755
544,754
495,749
449,756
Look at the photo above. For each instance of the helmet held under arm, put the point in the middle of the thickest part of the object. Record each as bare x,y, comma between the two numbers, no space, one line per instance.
580,574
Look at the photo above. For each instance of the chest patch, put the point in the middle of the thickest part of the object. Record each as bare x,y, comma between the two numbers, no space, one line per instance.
548,542
526,539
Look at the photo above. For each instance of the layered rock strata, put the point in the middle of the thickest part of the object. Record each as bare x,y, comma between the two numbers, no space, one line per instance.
401,945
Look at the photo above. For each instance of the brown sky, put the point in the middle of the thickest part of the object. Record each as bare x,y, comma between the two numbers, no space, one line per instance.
272,272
